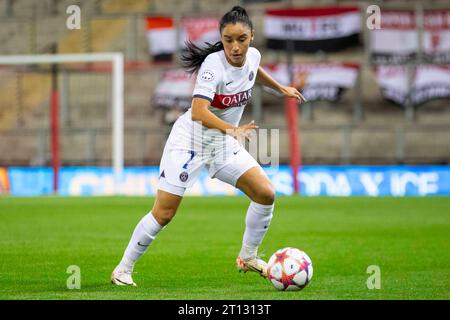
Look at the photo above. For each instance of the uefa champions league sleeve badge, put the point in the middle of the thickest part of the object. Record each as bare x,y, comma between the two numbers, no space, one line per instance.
207,75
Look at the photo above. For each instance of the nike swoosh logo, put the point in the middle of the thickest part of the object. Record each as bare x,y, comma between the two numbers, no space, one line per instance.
236,152
142,245
228,83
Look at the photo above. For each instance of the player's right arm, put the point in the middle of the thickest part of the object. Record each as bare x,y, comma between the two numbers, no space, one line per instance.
200,112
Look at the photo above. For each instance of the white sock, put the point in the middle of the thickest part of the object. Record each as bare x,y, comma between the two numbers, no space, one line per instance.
143,235
257,223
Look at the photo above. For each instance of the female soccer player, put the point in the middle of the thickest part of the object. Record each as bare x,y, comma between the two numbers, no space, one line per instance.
208,135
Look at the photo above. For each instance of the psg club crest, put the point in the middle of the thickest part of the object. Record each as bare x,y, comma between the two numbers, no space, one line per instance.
184,176
251,75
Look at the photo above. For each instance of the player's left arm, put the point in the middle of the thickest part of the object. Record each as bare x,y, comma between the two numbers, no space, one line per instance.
265,79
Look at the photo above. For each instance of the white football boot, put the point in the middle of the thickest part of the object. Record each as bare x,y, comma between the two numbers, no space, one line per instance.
256,265
122,278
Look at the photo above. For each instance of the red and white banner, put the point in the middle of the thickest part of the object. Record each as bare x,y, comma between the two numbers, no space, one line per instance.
324,81
398,41
313,29
199,30
174,89
429,82
161,35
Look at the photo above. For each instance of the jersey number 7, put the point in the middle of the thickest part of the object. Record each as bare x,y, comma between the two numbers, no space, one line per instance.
193,153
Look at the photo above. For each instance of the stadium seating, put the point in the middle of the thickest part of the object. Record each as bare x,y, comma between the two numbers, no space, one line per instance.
330,133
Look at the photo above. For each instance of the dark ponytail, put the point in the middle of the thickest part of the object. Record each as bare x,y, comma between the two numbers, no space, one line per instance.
194,56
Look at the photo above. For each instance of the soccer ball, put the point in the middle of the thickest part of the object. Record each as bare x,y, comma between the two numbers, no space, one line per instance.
289,269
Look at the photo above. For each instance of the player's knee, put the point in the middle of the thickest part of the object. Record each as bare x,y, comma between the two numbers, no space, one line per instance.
164,215
265,195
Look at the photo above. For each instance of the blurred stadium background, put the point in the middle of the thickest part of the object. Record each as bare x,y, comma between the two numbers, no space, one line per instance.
377,121
377,124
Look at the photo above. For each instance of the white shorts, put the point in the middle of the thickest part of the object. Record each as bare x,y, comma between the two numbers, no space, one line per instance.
180,167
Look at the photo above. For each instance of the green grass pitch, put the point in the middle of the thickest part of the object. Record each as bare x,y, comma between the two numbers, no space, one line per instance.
194,256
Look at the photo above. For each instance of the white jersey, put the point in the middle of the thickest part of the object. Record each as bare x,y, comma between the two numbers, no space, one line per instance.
190,145
228,88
